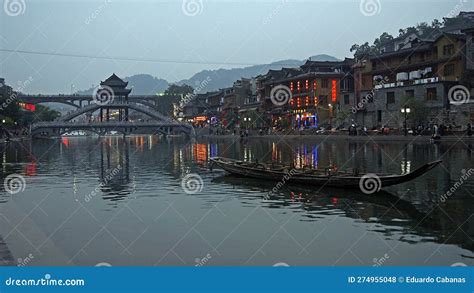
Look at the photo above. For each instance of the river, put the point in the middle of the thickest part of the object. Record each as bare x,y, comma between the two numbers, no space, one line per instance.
107,201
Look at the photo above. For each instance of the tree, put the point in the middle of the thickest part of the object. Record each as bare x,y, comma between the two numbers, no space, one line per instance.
173,95
362,52
382,40
179,90
9,108
419,113
436,24
42,113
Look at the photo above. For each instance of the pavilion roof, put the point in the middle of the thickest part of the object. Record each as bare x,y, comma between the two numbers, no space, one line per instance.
114,82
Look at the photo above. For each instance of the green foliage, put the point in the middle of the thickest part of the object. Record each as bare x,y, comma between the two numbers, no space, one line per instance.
8,106
178,90
172,96
424,29
42,113
419,112
341,116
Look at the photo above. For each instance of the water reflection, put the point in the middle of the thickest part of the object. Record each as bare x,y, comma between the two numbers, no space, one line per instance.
6,257
115,167
446,223
146,169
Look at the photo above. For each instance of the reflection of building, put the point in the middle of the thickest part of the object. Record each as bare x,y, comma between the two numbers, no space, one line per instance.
200,152
114,166
6,257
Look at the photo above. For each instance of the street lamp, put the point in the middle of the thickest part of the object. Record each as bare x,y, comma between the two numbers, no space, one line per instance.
405,110
330,115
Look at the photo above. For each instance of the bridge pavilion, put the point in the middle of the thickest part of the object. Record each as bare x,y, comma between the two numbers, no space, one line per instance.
120,95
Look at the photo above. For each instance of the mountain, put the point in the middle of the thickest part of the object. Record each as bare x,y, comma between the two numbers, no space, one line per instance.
145,84
222,78
323,57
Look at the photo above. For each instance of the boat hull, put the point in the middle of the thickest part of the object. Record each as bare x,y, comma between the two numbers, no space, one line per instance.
299,176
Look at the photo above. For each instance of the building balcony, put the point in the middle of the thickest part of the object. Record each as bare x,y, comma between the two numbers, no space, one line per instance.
410,82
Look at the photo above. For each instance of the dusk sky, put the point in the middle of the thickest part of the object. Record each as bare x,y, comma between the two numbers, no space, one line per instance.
218,34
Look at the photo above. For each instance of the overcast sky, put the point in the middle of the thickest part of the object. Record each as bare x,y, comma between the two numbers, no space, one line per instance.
207,32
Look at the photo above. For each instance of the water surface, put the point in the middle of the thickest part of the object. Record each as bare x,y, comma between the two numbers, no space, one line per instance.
121,202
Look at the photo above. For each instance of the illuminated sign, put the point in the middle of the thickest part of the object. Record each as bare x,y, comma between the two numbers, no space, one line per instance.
334,90
200,118
28,107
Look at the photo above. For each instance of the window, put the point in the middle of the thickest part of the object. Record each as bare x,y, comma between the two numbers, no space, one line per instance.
448,69
379,116
431,94
410,93
391,98
346,100
448,50
324,83
374,65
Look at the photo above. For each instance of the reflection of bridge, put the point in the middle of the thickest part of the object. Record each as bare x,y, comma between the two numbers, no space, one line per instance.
111,96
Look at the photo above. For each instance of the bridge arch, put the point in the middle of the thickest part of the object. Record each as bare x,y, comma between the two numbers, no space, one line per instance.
134,106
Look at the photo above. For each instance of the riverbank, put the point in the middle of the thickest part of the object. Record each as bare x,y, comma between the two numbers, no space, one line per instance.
347,138
16,138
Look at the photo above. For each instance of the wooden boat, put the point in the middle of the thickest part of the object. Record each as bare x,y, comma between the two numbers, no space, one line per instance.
327,177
